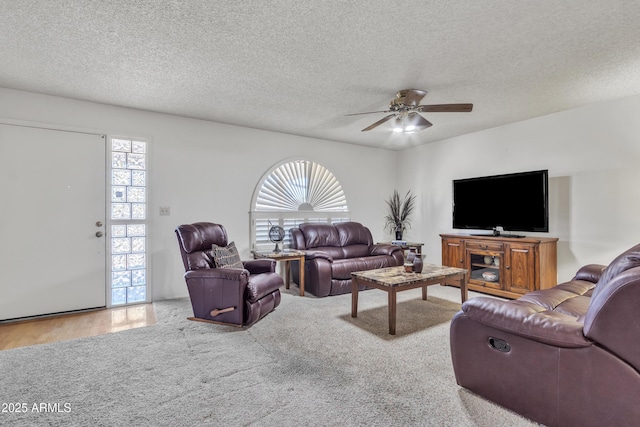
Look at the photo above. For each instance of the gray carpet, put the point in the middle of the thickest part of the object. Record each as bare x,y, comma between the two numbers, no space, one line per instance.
307,363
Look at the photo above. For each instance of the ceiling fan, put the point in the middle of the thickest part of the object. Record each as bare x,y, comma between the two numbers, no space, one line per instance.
404,108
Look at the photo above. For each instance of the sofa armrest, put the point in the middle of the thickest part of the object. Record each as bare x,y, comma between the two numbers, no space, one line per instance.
383,249
527,320
237,274
317,254
590,273
262,265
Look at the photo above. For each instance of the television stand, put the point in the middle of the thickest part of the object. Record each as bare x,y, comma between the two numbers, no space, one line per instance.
501,265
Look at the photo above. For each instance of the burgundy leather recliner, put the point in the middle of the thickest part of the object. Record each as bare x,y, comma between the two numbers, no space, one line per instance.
334,251
565,356
248,294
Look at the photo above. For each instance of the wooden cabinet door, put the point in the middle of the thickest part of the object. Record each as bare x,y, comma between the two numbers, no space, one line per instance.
520,267
453,255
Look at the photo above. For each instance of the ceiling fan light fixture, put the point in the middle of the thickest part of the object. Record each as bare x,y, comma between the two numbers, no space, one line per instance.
398,127
405,108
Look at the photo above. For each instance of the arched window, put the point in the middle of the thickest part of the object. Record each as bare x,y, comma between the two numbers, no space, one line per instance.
295,192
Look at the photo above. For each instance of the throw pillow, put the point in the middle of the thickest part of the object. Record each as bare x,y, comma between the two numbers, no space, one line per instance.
226,257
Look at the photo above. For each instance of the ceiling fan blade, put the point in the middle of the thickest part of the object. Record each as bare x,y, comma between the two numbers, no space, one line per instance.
418,121
412,97
378,123
369,112
445,108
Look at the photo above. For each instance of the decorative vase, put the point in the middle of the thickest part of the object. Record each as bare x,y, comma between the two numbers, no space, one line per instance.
411,255
398,232
417,264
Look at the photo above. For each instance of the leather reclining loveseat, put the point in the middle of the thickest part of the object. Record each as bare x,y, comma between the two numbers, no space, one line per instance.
334,251
565,356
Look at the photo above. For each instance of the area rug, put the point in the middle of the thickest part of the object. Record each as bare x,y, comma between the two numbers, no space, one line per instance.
307,363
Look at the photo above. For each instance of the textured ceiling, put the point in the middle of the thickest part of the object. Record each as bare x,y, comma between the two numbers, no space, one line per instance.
299,66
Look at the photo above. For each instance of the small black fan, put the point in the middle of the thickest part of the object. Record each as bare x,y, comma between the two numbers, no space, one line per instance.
276,235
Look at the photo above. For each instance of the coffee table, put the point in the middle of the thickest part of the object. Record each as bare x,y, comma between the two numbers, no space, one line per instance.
286,255
394,279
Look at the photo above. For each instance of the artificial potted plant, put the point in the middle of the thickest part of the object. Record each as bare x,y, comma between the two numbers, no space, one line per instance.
397,220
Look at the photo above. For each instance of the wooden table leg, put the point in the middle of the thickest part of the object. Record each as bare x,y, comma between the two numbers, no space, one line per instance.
287,273
392,311
354,297
301,275
424,292
463,287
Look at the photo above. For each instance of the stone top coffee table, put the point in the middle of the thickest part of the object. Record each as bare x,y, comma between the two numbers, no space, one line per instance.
394,279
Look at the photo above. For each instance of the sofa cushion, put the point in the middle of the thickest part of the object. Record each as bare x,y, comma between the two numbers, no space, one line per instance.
227,256
261,285
355,251
628,259
341,269
317,235
353,233
330,251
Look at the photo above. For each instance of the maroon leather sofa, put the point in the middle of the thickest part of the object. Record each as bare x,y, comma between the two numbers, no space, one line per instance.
565,356
334,251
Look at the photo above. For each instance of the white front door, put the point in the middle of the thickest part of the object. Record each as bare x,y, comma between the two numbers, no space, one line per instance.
52,198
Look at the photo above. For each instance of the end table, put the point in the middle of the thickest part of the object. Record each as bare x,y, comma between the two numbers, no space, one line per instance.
287,256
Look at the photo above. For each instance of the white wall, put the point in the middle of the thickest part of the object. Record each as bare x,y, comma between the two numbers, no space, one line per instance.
207,171
592,154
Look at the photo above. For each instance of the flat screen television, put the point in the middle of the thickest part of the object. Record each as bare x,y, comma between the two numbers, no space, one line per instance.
515,202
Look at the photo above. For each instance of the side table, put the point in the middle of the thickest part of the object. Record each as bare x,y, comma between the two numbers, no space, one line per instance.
408,245
287,256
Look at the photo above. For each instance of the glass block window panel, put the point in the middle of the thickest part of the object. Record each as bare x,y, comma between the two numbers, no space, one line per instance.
137,244
119,160
139,277
137,294
120,211
118,194
136,230
136,194
121,177
135,161
138,178
295,192
120,279
138,210
128,213
135,261
123,145
120,245
138,147
118,262
118,296
118,231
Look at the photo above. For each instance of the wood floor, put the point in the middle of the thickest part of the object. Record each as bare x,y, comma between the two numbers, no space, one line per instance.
77,325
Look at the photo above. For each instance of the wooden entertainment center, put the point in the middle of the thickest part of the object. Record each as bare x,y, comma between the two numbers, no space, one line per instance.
508,267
